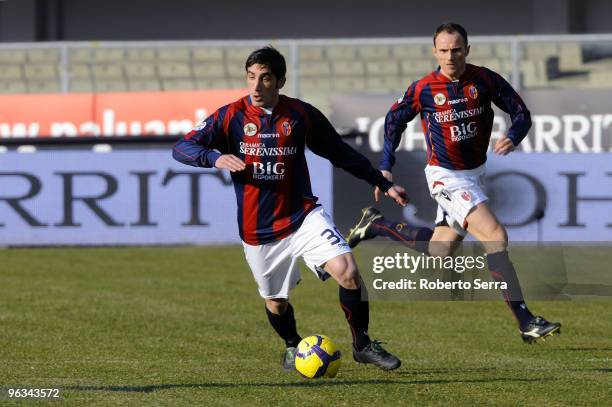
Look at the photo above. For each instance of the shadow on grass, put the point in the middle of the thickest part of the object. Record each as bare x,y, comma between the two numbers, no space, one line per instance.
314,383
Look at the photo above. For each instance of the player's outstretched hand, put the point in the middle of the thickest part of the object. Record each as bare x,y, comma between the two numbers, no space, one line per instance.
398,194
503,146
230,162
389,176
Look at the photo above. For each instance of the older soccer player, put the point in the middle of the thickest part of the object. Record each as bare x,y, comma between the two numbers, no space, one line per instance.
454,103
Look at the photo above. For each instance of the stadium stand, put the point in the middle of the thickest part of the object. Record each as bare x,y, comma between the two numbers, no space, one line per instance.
317,69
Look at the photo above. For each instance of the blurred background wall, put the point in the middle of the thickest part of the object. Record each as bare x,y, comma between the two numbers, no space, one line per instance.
58,20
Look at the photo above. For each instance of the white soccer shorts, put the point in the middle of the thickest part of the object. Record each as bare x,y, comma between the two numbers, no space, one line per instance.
275,265
457,193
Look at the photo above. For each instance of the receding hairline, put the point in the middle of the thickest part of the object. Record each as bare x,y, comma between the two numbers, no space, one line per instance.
451,28
450,32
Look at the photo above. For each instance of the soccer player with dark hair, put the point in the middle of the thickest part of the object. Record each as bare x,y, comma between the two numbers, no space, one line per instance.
261,138
454,103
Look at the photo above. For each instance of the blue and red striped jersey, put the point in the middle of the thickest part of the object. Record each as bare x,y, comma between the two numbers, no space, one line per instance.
274,194
456,116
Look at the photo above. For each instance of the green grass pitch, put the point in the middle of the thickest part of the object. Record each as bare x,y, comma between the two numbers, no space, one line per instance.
185,326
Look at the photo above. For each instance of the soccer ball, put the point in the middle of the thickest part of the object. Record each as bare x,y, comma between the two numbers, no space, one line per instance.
317,356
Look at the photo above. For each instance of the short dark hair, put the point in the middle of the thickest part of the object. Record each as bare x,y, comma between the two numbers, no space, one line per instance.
451,28
270,57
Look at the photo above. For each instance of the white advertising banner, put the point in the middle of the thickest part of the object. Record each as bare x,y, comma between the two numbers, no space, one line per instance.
128,197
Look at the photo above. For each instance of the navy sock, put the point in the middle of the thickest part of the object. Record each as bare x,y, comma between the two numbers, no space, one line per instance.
415,237
357,313
285,327
501,269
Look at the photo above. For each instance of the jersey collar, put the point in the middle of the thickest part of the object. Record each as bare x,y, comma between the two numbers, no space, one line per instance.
466,75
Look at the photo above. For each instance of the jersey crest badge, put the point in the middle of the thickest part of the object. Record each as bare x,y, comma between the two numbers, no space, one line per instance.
473,92
250,129
439,99
466,196
286,128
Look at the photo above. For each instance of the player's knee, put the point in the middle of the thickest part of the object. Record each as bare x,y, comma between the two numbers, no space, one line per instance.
496,239
498,234
349,277
277,306
344,270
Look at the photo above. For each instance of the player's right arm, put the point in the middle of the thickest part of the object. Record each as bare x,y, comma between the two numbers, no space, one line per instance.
402,112
200,147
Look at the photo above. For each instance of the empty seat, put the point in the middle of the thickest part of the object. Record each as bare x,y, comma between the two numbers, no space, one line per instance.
481,51
309,53
503,50
79,71
108,55
376,52
236,83
570,57
12,71
491,63
174,54
348,83
80,55
235,69
212,84
174,70
144,85
384,83
410,51
207,54
177,84
209,70
81,85
314,68
348,67
13,86
44,55
108,71
538,50
12,56
111,85
140,70
141,54
418,66
534,73
385,67
238,53
42,86
40,71
341,52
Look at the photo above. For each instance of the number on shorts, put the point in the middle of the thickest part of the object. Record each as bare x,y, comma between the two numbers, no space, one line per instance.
334,236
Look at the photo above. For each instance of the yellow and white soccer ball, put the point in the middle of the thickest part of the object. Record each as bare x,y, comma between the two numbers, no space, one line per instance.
317,356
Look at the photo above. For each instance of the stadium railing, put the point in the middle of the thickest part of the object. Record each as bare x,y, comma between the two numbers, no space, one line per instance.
315,67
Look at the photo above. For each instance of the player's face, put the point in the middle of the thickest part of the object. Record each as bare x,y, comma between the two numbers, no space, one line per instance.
263,86
450,50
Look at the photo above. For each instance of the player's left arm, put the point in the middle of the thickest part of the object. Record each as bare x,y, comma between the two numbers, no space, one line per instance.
507,99
324,140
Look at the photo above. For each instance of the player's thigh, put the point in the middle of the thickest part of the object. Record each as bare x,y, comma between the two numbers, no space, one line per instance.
274,268
484,226
323,247
444,241
343,269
